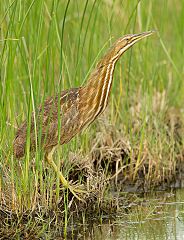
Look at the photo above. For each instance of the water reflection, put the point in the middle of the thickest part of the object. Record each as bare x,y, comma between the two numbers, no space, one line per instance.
157,216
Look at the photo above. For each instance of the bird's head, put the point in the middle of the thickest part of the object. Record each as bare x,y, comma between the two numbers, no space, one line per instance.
125,42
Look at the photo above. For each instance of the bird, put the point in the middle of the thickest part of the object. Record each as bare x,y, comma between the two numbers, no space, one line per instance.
61,117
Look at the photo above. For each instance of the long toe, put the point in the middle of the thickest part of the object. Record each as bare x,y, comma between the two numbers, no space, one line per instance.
79,189
76,192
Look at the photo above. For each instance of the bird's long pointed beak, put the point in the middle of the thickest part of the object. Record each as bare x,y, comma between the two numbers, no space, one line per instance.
139,36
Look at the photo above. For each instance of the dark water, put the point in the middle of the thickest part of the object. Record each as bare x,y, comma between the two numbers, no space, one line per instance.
153,216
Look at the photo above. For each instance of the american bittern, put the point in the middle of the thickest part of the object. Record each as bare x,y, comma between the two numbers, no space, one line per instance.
78,108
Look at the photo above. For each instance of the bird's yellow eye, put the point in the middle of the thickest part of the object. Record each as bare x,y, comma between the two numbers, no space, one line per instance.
126,39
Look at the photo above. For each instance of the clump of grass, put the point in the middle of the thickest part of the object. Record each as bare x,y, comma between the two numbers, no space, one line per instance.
153,156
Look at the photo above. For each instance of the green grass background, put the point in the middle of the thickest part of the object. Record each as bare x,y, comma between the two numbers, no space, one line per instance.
48,45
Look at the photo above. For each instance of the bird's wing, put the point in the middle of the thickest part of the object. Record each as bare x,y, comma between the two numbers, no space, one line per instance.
46,123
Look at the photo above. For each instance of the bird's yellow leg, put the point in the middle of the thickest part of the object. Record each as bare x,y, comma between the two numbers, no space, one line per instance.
73,190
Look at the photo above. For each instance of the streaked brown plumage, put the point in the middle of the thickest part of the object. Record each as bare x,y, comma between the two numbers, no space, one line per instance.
78,107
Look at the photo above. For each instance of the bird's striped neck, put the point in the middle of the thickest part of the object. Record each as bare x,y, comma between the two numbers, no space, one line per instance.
104,88
95,95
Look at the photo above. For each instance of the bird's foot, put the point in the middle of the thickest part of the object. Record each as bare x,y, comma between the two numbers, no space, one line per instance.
76,190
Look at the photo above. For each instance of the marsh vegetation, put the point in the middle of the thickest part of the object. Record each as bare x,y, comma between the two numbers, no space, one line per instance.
135,146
